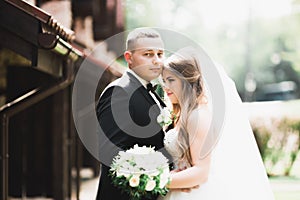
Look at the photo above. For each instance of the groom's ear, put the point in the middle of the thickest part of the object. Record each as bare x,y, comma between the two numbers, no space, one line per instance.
128,57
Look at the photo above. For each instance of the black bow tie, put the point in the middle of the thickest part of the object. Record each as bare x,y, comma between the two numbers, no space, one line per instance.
151,88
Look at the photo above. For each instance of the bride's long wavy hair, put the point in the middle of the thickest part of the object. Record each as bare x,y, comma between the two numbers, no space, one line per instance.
187,69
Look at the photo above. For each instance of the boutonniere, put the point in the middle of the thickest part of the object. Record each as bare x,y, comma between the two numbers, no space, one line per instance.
165,118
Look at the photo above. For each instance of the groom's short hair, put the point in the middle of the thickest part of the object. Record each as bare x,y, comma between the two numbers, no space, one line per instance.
138,33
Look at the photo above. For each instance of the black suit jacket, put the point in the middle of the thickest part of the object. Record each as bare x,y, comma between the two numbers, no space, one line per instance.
127,115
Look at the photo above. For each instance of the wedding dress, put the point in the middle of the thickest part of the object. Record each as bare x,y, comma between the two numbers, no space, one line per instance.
209,190
236,170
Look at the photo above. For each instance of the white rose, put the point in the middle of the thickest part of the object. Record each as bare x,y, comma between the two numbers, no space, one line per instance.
166,113
164,177
166,172
165,117
150,185
160,119
134,181
163,181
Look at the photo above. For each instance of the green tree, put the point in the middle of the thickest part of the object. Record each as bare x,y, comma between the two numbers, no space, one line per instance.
255,44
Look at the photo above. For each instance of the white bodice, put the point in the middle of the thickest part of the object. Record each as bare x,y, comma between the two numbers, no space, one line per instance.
170,142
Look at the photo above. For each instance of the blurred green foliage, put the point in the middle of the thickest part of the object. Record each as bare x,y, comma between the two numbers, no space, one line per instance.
256,44
278,140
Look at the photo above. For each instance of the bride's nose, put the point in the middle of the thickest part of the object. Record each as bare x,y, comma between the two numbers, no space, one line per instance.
165,87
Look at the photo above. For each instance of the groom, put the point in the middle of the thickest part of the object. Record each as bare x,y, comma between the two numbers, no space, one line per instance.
128,107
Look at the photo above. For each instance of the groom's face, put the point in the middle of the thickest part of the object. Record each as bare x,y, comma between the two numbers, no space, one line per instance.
146,60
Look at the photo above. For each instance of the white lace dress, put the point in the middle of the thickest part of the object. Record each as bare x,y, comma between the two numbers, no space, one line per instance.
210,190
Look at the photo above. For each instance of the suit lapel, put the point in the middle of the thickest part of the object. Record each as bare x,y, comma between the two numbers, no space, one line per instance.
159,99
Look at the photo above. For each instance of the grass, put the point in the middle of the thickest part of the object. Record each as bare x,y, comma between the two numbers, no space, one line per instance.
286,188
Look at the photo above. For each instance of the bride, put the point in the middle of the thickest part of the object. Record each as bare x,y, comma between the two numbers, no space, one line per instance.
216,162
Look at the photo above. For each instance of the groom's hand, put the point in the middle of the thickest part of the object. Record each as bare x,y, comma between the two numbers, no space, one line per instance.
189,189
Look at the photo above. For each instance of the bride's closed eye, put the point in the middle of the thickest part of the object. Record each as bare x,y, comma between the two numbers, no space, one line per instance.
168,80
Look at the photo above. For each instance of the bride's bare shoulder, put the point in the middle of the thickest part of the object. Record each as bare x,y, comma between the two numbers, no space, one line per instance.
200,118
202,111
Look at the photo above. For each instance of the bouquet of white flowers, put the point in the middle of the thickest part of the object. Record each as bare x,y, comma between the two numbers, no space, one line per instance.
141,172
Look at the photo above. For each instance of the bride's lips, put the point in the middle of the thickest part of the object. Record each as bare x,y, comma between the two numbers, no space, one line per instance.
169,93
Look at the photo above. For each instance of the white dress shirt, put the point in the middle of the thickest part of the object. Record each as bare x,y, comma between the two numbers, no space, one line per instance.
144,83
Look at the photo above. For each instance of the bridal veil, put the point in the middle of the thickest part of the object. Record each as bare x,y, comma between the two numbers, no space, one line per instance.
237,169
